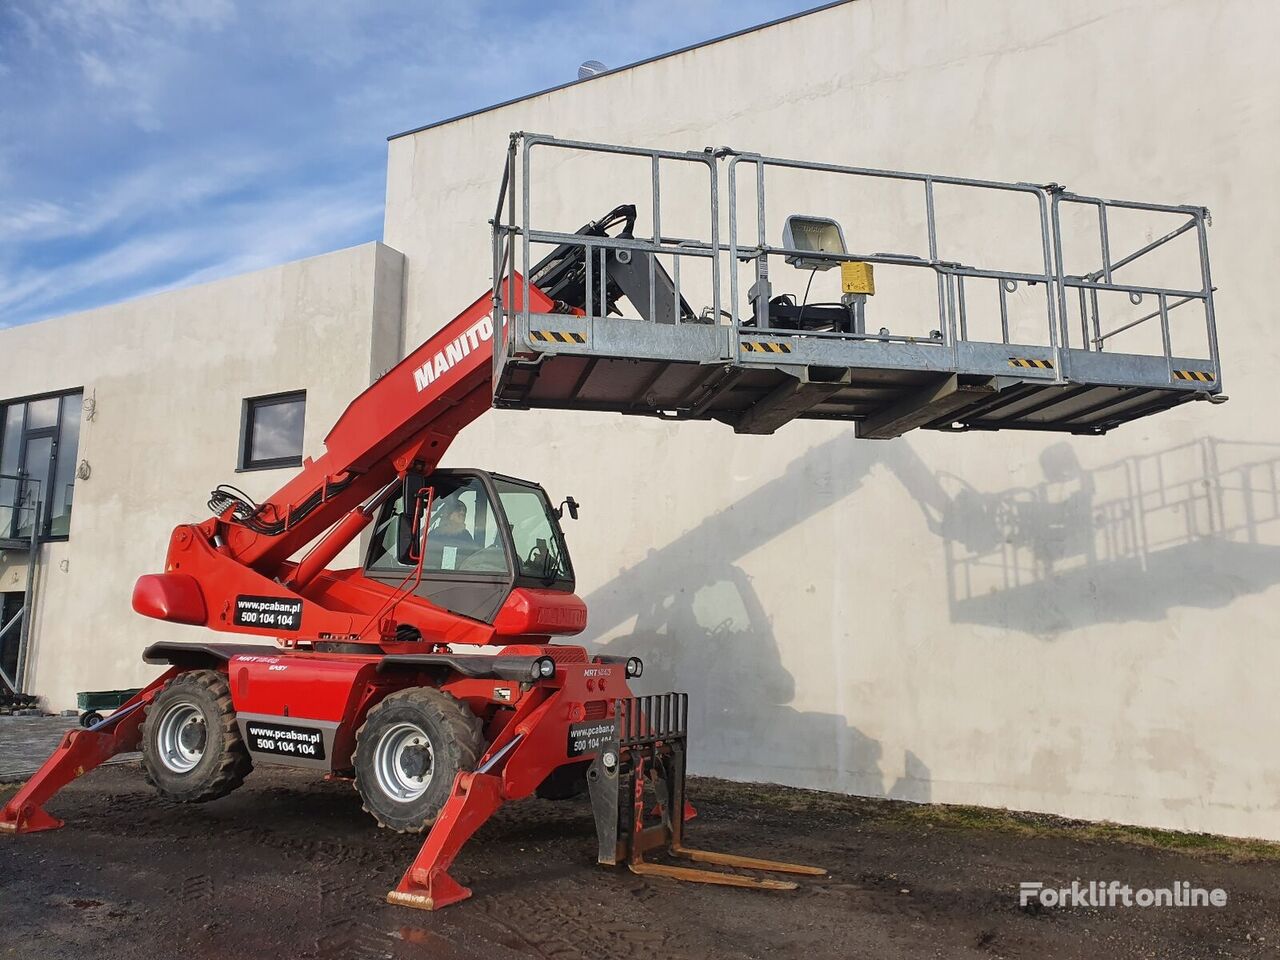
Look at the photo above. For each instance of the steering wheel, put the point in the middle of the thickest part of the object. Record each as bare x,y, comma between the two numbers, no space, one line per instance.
487,560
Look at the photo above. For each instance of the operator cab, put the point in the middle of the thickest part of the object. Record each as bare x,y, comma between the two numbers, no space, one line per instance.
484,535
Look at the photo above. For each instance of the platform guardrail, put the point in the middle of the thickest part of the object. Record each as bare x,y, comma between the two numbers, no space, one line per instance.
1075,305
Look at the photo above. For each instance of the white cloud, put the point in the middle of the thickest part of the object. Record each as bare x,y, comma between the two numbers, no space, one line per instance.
160,189
32,216
295,228
246,236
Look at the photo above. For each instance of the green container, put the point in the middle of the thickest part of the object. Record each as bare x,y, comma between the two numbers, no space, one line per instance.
99,700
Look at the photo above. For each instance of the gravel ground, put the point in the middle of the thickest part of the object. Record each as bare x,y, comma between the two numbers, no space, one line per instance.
290,866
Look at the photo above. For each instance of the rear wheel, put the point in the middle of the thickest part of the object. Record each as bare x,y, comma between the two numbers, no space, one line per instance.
191,746
409,750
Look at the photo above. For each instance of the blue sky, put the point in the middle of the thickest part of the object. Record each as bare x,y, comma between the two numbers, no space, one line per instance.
148,144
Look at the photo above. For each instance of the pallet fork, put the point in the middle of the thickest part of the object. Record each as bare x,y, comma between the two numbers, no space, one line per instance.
637,785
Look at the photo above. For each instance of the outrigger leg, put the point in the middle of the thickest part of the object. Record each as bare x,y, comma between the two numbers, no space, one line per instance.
426,885
78,753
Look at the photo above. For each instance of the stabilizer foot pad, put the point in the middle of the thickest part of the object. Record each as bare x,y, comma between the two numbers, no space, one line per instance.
26,819
420,901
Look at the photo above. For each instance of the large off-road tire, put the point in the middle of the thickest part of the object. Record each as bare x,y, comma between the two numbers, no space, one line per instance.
191,746
409,749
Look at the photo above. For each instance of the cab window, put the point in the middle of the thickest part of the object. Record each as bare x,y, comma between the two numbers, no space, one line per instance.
462,534
540,552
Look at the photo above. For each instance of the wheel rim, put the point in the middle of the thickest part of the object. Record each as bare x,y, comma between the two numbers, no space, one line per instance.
404,763
181,737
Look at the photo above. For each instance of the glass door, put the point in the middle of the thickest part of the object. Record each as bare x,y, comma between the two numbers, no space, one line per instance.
37,462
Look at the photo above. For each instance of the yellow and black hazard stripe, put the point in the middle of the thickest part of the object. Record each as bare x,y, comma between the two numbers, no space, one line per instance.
1031,362
765,346
1203,376
555,336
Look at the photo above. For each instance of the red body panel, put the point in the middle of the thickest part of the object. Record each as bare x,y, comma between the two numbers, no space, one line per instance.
175,597
529,611
298,686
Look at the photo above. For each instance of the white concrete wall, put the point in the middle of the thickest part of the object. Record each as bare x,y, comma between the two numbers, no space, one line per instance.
168,375
842,611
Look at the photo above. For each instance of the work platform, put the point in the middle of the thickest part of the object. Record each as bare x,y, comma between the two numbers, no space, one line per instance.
1001,305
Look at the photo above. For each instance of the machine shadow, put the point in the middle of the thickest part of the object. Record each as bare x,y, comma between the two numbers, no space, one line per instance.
696,619
1194,525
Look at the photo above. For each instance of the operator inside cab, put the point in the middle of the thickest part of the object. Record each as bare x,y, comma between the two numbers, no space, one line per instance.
449,542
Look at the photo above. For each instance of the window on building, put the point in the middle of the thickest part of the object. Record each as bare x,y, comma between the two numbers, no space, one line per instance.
39,444
272,432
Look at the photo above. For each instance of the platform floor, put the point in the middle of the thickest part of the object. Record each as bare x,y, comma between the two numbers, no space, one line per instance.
693,371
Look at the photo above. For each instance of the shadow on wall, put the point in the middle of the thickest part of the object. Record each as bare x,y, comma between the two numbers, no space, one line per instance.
701,627
1195,525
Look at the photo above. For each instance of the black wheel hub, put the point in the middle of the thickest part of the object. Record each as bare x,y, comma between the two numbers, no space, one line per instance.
416,762
192,736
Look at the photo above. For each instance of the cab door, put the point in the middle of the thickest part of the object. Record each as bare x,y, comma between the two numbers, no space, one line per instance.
466,565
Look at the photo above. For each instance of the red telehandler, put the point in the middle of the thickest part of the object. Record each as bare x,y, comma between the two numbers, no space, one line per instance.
367,678
366,682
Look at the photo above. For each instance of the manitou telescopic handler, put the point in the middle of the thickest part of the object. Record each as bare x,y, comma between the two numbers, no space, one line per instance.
378,673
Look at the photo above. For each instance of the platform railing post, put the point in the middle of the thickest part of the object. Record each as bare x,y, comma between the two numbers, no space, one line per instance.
713,168
952,328
1164,333
735,320
526,189
946,280
588,305
1211,323
656,190
762,259
1055,282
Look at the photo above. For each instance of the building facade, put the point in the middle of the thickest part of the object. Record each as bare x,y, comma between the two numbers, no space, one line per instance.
160,400
1079,626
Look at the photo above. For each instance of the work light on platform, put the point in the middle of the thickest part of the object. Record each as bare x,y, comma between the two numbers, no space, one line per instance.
812,235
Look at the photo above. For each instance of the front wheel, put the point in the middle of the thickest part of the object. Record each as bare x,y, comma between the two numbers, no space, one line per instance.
409,749
191,746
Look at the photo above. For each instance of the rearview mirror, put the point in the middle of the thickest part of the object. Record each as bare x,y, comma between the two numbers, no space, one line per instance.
572,506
